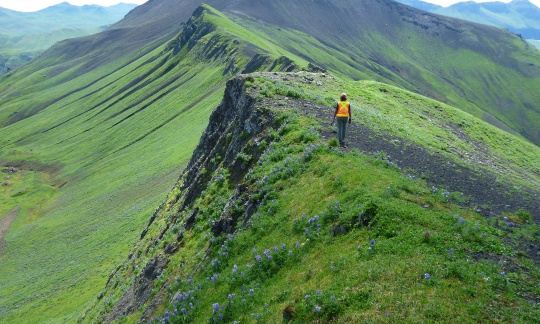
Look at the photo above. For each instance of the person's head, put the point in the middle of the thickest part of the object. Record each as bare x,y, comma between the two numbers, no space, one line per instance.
343,97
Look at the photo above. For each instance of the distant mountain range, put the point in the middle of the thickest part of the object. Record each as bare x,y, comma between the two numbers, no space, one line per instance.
23,35
519,16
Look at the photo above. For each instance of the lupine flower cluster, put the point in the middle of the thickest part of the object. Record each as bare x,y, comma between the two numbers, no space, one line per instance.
311,222
184,302
508,222
213,278
290,166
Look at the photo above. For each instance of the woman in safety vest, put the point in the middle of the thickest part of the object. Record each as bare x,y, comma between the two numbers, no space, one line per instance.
343,113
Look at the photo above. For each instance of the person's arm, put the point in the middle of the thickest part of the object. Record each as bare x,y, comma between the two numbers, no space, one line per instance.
350,114
335,112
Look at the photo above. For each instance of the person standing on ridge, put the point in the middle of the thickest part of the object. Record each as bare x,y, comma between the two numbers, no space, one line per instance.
343,113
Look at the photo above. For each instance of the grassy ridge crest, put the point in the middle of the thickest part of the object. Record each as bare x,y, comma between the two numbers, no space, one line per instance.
309,232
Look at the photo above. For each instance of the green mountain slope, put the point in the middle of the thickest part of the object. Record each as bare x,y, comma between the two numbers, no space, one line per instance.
112,148
108,121
446,59
270,223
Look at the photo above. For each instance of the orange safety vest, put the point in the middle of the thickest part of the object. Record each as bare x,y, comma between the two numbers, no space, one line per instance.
343,109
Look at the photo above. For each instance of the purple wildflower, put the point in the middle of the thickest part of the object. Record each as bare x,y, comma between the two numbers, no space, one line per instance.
275,248
332,298
283,246
258,257
231,296
317,308
215,307
306,230
235,269
502,273
336,207
451,251
298,245
306,296
319,292
372,242
427,276
184,311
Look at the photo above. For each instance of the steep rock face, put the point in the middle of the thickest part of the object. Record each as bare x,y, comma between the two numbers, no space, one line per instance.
231,141
235,127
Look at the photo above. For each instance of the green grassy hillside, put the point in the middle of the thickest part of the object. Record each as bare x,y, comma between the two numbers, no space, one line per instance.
306,232
105,124
110,150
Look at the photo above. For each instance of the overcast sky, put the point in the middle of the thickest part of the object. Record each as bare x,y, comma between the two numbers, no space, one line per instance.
35,5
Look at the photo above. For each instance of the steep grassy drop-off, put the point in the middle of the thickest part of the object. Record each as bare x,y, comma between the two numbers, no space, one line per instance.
113,141
269,222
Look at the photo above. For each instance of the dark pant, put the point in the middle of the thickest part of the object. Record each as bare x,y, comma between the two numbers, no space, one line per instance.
341,125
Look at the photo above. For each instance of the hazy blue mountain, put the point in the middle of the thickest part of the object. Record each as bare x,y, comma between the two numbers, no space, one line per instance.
23,35
419,4
519,16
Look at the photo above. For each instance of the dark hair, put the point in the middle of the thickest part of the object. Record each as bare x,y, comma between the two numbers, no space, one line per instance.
343,97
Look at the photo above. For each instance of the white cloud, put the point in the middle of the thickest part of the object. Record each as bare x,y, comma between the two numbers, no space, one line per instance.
447,3
35,5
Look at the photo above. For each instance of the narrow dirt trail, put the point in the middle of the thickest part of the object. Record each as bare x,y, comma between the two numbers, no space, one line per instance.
5,223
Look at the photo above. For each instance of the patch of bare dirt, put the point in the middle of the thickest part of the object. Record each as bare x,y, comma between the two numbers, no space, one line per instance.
5,224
